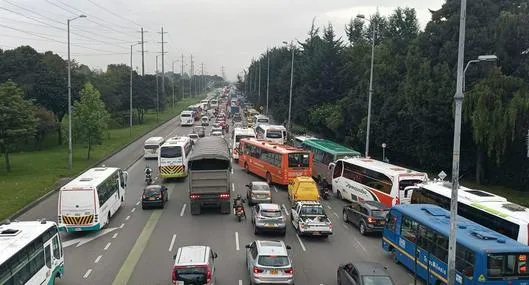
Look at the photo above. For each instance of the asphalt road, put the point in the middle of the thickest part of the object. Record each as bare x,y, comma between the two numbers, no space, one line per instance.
138,245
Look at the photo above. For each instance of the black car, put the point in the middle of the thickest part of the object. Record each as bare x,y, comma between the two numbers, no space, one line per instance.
363,273
368,216
154,195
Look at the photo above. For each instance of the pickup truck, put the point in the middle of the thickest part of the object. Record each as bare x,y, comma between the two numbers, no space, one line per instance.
309,218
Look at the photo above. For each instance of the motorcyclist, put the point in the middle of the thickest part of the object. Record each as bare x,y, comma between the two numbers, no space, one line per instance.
238,204
148,173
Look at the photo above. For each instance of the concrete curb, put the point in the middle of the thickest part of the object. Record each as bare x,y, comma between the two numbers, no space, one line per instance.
59,184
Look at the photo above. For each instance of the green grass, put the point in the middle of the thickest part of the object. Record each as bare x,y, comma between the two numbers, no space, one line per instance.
35,173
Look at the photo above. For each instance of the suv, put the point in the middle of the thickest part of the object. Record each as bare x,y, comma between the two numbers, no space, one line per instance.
194,265
368,216
268,261
268,217
363,273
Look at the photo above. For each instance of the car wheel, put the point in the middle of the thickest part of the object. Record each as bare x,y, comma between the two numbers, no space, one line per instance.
255,230
339,195
345,217
143,207
362,229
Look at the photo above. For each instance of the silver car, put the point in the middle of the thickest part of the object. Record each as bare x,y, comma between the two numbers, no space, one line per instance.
268,262
268,218
258,192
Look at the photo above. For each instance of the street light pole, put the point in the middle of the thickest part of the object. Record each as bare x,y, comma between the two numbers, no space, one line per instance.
157,99
458,98
70,148
267,81
173,78
289,126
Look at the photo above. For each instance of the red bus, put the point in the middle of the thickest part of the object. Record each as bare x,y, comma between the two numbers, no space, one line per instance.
277,163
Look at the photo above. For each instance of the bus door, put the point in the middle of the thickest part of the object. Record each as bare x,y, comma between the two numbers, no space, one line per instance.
405,194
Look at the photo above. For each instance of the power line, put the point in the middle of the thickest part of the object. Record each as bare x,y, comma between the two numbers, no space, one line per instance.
117,15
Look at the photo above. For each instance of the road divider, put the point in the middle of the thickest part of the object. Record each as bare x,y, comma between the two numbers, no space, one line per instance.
172,243
237,241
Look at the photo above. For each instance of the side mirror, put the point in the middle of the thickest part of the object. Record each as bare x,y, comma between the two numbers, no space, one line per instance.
174,257
247,246
248,185
215,255
288,247
331,165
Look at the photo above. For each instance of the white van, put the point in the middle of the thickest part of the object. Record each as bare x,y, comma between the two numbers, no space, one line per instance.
275,133
187,118
151,147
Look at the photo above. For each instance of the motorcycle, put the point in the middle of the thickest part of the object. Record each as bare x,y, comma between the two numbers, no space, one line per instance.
239,212
325,192
148,179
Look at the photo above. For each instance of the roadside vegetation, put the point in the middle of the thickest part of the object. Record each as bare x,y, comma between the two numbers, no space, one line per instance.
413,90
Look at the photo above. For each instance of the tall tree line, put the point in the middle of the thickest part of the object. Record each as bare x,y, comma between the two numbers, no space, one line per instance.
414,86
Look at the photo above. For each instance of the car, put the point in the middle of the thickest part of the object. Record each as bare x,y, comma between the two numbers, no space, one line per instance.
363,273
194,265
267,217
194,137
201,131
368,216
216,134
154,195
268,261
258,192
204,121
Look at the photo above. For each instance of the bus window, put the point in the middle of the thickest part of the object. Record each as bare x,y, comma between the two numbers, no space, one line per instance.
408,229
298,160
338,169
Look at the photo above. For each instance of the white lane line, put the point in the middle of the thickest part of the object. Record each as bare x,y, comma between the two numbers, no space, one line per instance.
87,273
335,214
329,207
183,210
361,246
133,209
345,226
122,225
236,240
240,282
127,218
275,188
232,171
172,243
98,258
115,235
285,208
107,246
301,243
137,203
232,187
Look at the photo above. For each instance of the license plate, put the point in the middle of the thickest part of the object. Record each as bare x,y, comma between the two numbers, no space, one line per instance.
152,198
382,222
316,233
273,271
269,225
77,229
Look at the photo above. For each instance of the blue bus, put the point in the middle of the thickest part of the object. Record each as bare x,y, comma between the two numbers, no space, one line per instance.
416,235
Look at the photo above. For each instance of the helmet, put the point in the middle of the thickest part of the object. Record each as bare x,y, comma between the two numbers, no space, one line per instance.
238,196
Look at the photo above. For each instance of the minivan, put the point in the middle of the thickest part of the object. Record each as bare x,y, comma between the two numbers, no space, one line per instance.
194,265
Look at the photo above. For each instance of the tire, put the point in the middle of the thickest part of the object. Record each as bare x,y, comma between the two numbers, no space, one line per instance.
283,233
143,207
239,218
339,195
362,229
345,217
269,178
394,256
255,230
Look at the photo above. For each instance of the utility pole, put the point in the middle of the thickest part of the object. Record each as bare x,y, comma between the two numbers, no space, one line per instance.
267,81
142,53
172,77
163,69
202,75
259,89
191,76
222,72
157,94
245,80
182,77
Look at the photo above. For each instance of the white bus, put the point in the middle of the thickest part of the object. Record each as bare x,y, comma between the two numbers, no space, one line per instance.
274,133
205,104
238,134
489,210
187,118
87,202
260,119
173,157
214,103
31,253
151,147
360,178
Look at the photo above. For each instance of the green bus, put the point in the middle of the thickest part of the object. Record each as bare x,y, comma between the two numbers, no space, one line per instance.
324,152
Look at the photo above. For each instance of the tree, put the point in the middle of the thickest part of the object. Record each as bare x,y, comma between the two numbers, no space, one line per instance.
17,119
90,117
46,122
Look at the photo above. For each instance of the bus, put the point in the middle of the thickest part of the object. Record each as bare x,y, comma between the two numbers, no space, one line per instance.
325,152
298,140
89,201
214,103
173,157
151,147
416,235
358,178
484,208
277,163
260,119
238,134
274,133
31,253
187,118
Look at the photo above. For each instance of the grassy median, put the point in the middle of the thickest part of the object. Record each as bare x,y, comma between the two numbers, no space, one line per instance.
35,173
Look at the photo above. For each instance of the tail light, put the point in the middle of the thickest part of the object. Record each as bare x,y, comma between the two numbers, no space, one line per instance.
370,220
257,270
174,275
194,196
224,195
208,275
289,270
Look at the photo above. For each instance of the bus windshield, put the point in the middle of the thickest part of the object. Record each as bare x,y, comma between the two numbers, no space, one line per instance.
151,146
171,151
239,137
274,134
300,159
186,115
408,182
507,265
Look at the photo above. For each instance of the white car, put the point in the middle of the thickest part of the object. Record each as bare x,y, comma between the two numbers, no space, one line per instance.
217,134
194,137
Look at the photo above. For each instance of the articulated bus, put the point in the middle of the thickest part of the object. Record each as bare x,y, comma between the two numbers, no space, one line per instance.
31,253
325,152
357,178
416,235
238,134
173,157
87,202
484,208
277,163
274,133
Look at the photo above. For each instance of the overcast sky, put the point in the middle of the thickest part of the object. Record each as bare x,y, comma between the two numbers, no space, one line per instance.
217,33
